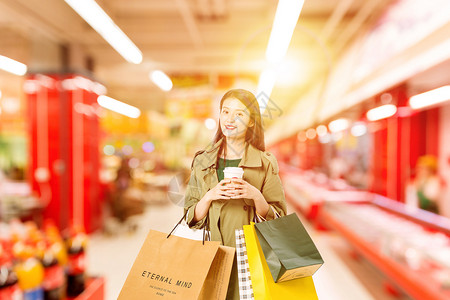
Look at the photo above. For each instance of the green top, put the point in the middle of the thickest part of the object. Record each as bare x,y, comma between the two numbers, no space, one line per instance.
426,203
226,163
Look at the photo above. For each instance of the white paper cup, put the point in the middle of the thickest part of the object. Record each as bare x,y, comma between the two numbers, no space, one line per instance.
233,172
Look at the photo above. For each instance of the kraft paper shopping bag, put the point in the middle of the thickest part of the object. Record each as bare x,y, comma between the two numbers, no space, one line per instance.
288,249
264,287
216,283
169,268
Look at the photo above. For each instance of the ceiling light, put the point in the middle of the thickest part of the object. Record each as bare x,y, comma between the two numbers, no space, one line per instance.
430,98
321,130
325,139
338,125
266,83
99,89
283,27
161,80
311,133
301,136
12,66
359,129
292,71
381,112
95,16
118,107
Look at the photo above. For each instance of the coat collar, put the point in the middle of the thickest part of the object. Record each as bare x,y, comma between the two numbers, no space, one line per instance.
251,157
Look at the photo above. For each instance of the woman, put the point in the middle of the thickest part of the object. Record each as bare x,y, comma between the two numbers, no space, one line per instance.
426,188
230,204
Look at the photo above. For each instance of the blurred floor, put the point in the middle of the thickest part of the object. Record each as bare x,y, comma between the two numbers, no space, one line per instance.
341,277
112,256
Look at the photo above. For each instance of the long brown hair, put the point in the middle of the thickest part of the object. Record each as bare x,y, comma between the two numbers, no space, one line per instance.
254,134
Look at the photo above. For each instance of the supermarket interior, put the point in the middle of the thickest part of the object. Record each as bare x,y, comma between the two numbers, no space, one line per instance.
104,105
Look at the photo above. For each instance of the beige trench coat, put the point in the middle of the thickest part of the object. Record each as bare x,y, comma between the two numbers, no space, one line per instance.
225,216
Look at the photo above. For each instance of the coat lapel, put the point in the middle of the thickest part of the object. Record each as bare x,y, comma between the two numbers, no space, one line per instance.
251,157
209,165
210,178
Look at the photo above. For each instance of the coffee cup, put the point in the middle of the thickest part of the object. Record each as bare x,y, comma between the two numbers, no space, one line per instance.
233,172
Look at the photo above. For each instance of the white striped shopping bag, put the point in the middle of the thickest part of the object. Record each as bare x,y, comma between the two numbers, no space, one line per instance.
245,282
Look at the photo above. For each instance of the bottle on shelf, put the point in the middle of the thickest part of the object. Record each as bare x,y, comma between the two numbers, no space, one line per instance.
28,267
76,245
54,282
9,287
30,274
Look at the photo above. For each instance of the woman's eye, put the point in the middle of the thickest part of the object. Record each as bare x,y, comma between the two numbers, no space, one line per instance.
240,114
224,111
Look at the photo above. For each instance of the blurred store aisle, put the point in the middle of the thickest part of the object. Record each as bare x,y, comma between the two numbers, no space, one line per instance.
339,278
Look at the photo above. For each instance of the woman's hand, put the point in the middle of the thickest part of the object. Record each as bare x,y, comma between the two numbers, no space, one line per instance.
242,189
221,191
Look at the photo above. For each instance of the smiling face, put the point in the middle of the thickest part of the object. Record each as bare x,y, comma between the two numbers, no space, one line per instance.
234,119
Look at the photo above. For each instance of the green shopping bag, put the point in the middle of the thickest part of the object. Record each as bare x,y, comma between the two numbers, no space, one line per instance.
288,249
264,288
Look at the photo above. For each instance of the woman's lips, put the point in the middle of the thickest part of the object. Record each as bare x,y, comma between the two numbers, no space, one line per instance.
230,127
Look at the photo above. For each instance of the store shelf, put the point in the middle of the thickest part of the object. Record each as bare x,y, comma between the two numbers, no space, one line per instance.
430,220
17,201
95,290
411,264
308,191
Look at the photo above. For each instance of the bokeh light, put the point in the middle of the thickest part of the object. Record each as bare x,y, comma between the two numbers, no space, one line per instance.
109,150
210,123
133,163
127,150
325,139
321,130
148,147
301,136
359,129
311,133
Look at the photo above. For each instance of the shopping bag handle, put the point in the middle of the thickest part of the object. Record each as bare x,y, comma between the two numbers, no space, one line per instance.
258,218
206,233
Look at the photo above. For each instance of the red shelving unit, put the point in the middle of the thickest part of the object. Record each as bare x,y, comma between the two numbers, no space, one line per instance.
95,290
64,134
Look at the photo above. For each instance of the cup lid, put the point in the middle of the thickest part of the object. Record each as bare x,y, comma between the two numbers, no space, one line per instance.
233,170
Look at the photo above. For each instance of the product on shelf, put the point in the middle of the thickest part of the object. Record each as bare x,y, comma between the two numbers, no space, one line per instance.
76,245
9,287
30,273
38,264
54,279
